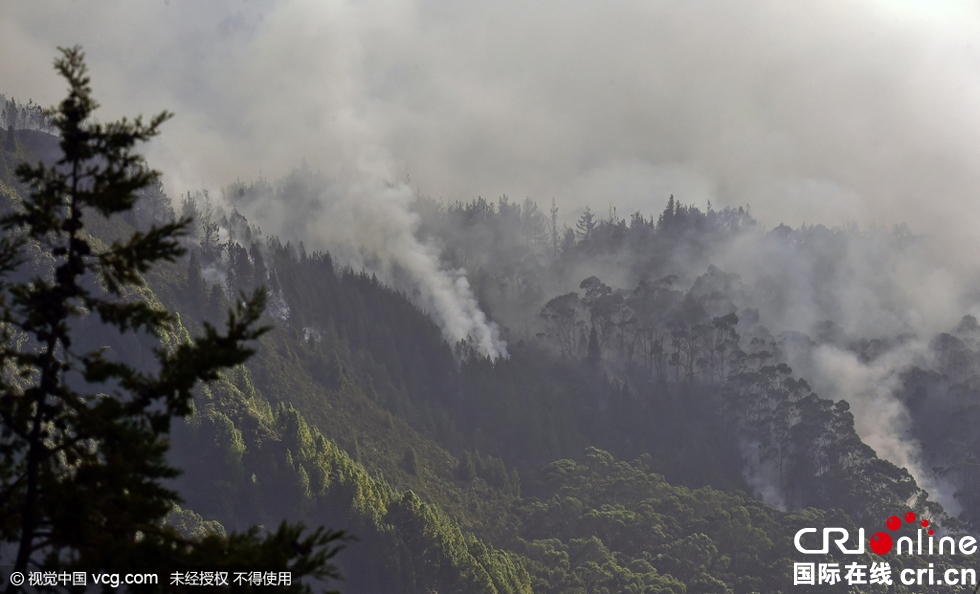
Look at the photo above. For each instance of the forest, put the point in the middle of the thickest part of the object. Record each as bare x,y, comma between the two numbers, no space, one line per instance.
649,425
426,297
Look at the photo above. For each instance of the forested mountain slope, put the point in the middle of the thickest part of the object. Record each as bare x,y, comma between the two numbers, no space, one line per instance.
622,447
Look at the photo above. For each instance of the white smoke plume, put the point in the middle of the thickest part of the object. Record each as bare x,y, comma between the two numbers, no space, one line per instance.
822,112
881,420
384,231
823,293
265,84
375,220
367,223
872,284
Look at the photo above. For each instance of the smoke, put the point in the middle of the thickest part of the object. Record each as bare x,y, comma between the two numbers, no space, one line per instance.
881,420
761,477
821,112
263,86
367,223
845,288
376,221
870,283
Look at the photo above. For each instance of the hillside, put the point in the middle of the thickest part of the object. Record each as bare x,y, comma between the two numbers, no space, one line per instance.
647,437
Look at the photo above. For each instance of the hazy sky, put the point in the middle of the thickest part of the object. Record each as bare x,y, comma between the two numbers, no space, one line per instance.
865,111
810,111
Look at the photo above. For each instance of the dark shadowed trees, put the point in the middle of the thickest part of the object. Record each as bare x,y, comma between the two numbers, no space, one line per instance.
84,433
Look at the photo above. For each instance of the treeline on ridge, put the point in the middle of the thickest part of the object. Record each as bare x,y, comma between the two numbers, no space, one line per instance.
460,473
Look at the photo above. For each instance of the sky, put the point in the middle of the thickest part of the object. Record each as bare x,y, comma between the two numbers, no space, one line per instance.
818,112
832,112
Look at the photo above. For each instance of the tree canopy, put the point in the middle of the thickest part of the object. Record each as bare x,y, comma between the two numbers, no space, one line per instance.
85,432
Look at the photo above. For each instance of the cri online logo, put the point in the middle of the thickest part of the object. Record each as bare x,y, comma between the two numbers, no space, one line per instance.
881,542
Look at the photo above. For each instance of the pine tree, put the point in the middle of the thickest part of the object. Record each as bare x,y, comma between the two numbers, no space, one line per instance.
196,290
84,435
586,224
261,273
667,216
240,268
189,210
10,119
554,227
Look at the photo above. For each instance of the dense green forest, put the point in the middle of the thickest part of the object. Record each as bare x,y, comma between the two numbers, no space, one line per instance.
645,433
